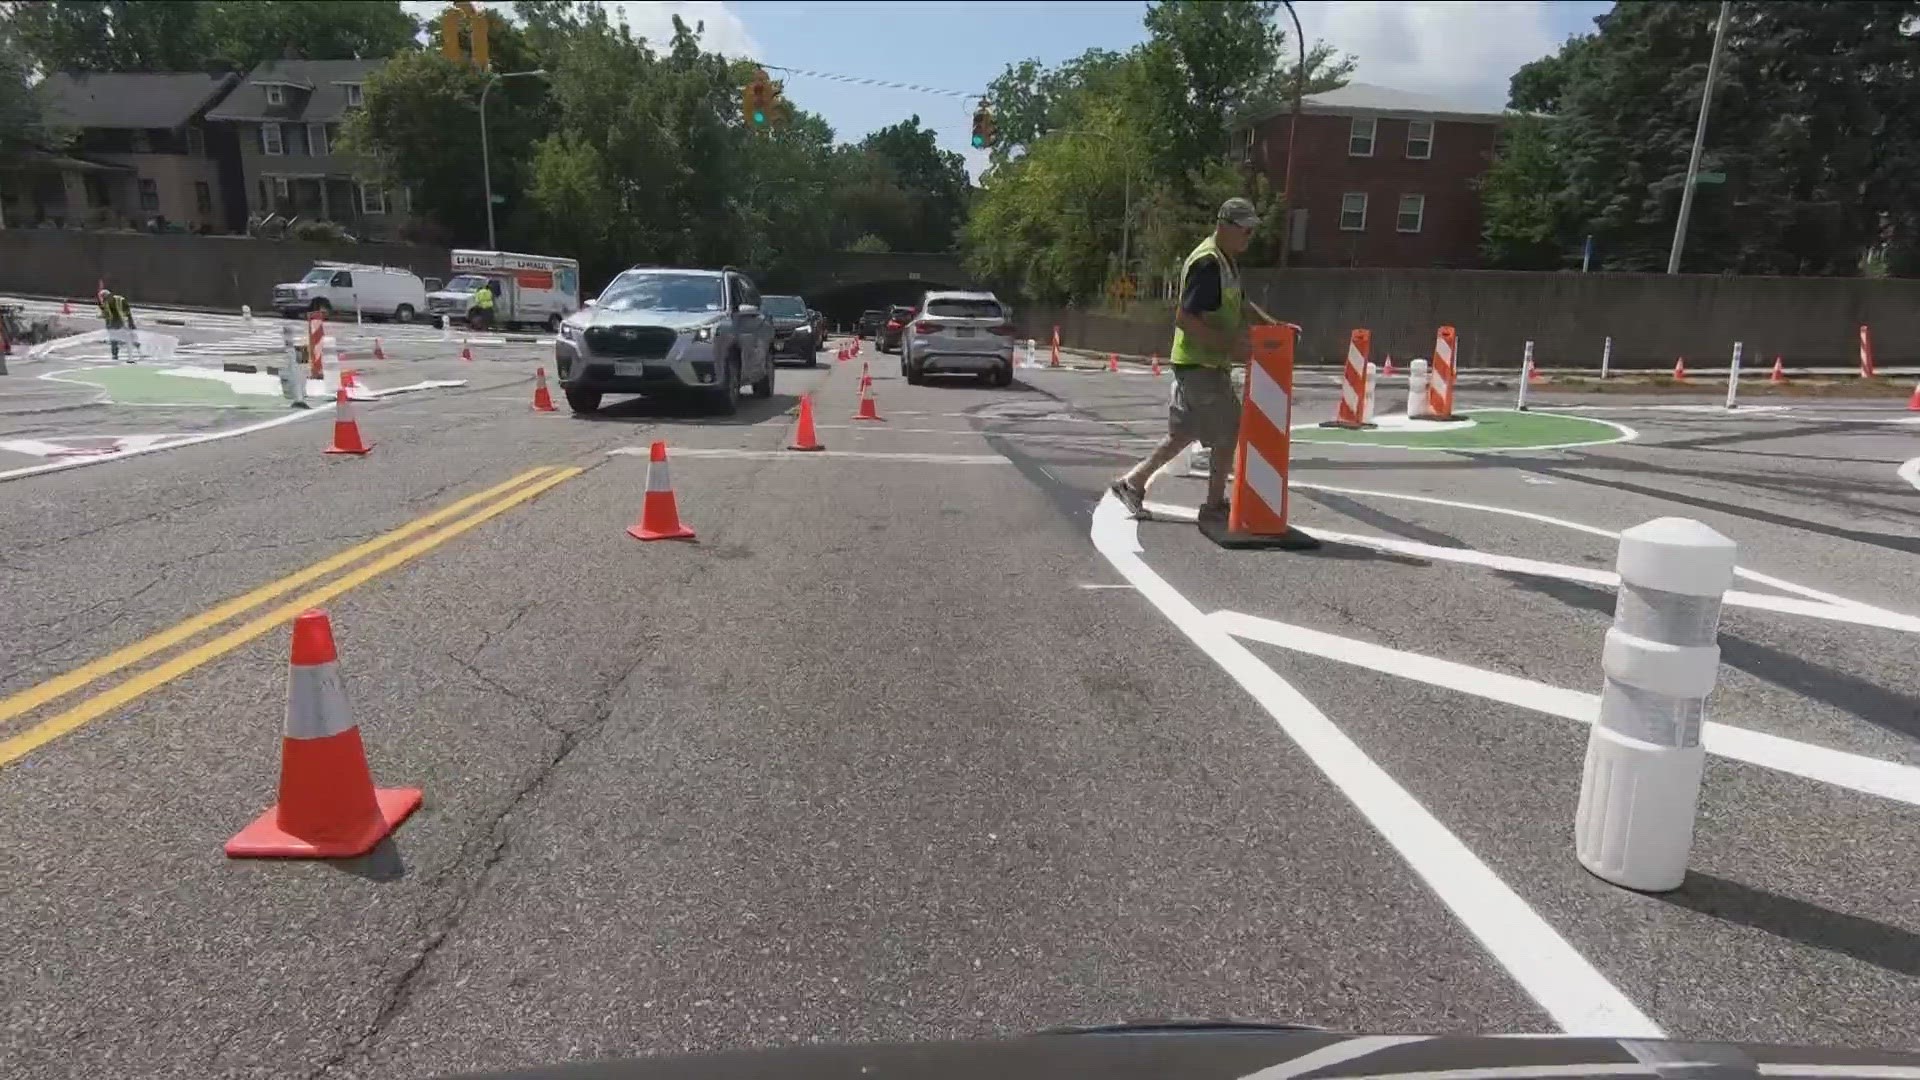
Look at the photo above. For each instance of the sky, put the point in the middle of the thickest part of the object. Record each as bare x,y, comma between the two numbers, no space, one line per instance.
1462,49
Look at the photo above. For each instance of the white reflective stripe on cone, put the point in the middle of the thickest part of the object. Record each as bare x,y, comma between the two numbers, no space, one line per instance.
316,702
1266,481
657,479
1268,396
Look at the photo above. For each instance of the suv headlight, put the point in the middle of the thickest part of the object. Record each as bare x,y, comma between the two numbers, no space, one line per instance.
699,333
569,332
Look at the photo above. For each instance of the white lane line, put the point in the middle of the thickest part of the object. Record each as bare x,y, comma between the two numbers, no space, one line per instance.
1856,772
1910,472
1853,1072
1332,1054
192,440
1529,1072
824,455
1091,438
1572,991
1592,530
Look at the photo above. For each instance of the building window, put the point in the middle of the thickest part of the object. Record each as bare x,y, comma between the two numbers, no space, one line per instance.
317,140
1353,212
1413,213
1420,139
1360,137
282,191
196,141
203,196
270,140
355,98
373,197
149,194
276,96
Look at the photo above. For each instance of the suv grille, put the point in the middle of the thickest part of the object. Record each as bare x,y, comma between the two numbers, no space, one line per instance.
646,342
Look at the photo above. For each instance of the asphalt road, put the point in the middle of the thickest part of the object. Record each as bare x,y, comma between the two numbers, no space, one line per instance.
906,745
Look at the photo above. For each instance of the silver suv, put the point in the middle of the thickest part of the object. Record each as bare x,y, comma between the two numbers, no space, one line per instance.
667,332
959,333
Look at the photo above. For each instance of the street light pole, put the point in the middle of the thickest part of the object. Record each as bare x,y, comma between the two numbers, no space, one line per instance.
1699,141
486,163
1293,123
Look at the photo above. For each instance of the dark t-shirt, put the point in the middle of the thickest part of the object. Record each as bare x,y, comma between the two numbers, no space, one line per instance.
1201,293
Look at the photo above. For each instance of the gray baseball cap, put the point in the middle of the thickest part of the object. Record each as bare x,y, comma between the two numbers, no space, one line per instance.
1238,211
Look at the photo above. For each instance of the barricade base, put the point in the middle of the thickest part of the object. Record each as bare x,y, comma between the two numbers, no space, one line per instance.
1347,426
1450,418
1215,529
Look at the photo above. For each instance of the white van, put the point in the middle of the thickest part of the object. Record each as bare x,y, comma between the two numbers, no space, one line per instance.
376,292
536,290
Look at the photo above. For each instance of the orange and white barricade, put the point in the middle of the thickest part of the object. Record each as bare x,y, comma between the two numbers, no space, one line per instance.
1258,513
316,344
1054,360
1866,351
1440,376
1353,384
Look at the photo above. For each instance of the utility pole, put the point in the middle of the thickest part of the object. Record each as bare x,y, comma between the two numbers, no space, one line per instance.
1699,140
486,164
1293,124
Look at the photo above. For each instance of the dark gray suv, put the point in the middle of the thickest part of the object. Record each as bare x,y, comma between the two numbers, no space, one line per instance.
793,337
666,332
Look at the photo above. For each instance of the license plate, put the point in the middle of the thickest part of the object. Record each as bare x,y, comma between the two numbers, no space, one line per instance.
963,331
632,368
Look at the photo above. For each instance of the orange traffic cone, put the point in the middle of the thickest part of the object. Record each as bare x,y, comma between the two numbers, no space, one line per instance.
1680,369
466,349
328,807
868,409
803,436
1113,361
1533,373
1387,369
66,308
659,514
866,377
1156,365
346,431
1913,403
542,400
349,379
1779,371
378,352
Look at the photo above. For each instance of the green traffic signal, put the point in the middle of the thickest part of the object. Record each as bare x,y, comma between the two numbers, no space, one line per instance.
979,142
759,117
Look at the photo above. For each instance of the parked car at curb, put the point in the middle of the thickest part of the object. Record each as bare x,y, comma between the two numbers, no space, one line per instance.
668,333
956,333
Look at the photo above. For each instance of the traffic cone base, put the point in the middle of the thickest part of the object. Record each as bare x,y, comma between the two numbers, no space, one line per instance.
868,411
268,838
677,532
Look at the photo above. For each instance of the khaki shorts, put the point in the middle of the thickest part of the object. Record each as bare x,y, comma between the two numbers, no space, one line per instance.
1203,408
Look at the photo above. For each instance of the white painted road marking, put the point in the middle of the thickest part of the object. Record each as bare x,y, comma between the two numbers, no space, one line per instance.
1571,991
1910,472
1856,772
1334,1054
824,455
191,440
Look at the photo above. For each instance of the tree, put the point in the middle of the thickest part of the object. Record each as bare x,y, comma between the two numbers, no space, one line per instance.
1519,198
197,35
22,122
933,180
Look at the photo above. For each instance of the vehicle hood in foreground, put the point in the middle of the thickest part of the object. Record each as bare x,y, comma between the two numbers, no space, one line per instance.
1226,1051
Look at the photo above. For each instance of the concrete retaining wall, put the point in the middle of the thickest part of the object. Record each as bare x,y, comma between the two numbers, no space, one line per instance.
192,271
1652,317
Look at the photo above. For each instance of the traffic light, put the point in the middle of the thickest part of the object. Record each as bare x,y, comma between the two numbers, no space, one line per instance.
462,17
982,127
760,101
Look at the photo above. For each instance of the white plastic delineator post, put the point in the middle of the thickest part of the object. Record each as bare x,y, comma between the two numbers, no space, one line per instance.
330,364
1526,376
446,328
1606,357
1733,377
1640,789
1366,393
246,315
1417,388
1032,360
293,370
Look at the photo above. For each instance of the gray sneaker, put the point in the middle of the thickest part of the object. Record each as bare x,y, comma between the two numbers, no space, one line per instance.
1135,501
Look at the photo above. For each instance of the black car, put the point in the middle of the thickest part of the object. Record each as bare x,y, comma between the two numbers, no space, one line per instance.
870,320
793,331
898,316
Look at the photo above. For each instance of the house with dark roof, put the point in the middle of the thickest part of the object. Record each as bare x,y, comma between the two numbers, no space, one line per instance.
143,155
287,115
1381,177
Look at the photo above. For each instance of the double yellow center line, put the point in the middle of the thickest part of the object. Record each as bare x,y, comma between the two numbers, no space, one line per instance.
484,505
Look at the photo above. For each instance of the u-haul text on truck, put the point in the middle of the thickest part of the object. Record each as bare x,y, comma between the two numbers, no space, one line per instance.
537,290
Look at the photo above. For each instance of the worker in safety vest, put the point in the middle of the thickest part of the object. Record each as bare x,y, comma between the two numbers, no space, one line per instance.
483,305
1209,338
119,319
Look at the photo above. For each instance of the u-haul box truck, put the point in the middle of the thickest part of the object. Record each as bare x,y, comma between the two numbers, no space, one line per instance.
527,289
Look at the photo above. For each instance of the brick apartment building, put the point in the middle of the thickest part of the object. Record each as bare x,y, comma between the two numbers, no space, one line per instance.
1381,177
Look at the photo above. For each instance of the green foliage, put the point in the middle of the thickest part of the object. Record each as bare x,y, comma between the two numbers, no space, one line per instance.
869,244
199,35
931,182
22,121
1812,127
1147,129
1520,198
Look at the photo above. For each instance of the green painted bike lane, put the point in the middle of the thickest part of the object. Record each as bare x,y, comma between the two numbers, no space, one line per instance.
134,385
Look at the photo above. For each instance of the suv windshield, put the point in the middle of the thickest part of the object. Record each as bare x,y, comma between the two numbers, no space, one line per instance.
784,307
662,292
319,275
